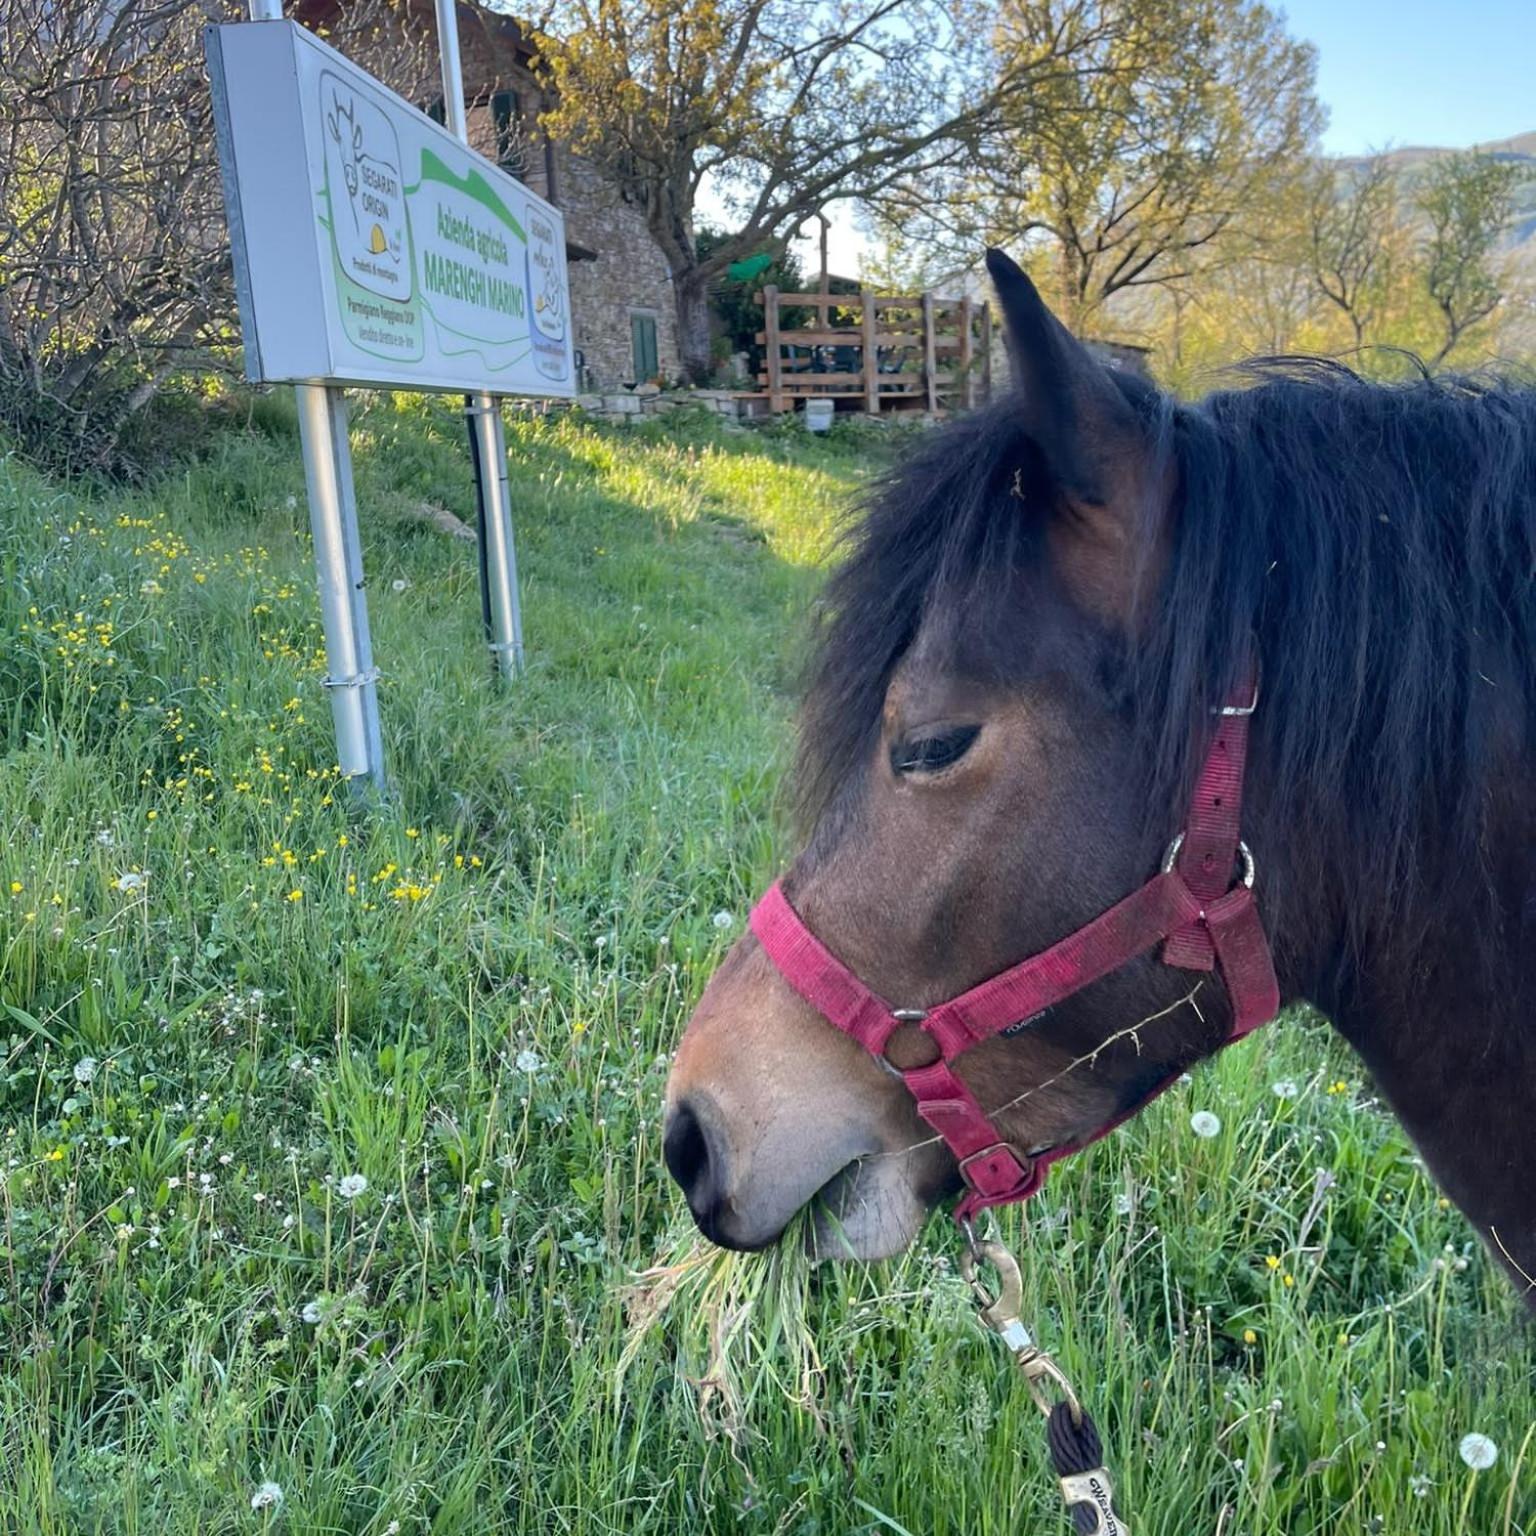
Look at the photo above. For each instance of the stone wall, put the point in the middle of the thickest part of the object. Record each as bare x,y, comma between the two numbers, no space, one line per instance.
627,276
631,407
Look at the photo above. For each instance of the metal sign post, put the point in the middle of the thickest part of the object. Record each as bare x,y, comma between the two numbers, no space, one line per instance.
487,432
351,678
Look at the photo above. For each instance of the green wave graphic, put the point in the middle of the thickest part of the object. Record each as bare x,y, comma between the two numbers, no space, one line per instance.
474,185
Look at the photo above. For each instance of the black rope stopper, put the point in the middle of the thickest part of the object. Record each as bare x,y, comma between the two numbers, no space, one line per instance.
1075,1448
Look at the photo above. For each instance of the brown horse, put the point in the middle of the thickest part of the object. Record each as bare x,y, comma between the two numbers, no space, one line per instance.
1010,704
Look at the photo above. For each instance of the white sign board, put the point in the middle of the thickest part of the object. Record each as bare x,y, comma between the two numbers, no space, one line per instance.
370,245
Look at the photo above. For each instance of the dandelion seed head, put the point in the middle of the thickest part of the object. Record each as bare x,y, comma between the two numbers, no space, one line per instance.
268,1496
1478,1451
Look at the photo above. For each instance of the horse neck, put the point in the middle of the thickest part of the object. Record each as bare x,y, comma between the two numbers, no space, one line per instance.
1441,1007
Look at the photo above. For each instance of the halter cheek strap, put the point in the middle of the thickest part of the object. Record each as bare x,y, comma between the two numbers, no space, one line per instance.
1204,922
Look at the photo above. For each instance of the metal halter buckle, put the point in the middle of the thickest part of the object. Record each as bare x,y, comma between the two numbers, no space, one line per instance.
1241,709
1244,854
1023,1163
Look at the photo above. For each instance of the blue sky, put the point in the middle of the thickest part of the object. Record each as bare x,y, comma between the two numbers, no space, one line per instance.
1445,72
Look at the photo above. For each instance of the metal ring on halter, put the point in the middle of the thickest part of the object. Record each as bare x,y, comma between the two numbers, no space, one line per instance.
904,1016
1244,854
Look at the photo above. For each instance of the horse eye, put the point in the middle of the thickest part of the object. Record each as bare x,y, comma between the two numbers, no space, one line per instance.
928,754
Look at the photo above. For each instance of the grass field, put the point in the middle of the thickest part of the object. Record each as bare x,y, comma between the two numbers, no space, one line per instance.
329,1139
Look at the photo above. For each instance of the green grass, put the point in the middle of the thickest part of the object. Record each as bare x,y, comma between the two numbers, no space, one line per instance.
468,998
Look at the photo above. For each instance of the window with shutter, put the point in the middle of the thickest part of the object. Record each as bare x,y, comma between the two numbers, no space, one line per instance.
642,331
511,141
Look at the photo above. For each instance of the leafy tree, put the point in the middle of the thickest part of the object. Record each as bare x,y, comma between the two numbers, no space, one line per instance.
1467,200
1145,163
785,106
1352,220
737,313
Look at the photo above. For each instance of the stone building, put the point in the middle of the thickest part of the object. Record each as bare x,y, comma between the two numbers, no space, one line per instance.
624,317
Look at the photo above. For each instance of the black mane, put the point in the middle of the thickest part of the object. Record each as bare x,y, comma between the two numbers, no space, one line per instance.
1378,540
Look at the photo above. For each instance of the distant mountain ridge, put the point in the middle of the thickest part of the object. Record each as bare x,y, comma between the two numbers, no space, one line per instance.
1522,146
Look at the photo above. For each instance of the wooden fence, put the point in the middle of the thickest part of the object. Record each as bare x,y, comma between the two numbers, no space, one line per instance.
916,352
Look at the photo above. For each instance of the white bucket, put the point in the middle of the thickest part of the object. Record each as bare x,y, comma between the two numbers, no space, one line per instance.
818,415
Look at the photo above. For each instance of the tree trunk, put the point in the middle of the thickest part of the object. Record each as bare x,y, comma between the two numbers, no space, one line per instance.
693,338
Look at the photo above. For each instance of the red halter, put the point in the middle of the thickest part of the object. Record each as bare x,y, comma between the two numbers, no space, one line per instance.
1189,904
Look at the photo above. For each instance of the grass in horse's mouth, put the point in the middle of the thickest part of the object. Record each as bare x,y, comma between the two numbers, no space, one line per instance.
825,1198
737,1320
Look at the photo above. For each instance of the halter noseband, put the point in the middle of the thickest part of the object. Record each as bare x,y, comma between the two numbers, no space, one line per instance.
1208,924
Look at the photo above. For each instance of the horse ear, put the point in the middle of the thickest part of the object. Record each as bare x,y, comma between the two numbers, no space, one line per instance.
1096,450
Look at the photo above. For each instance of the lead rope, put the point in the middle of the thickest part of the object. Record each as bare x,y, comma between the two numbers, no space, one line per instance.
1070,1433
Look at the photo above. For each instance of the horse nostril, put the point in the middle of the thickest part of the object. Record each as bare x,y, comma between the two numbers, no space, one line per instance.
686,1150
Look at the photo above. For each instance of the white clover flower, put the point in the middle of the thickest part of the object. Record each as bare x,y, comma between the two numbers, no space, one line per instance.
1204,1123
312,1311
131,880
267,1496
1286,1089
351,1185
723,920
528,1061
85,1069
1478,1451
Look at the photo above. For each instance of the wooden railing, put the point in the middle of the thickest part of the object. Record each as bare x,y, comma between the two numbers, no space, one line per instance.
917,351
